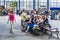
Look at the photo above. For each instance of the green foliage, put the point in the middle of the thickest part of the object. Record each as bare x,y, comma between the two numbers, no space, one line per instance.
56,12
13,4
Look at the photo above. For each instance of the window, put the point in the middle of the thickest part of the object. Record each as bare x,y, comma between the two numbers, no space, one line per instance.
45,0
51,4
45,4
18,5
58,0
26,4
58,4
36,5
36,1
1,0
41,3
1,3
7,0
52,0
41,0
8,4
54,3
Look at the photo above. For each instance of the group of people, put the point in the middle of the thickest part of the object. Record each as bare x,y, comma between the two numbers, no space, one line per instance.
3,11
29,22
34,21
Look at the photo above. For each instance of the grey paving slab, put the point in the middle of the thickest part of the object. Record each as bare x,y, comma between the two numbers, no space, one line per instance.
18,34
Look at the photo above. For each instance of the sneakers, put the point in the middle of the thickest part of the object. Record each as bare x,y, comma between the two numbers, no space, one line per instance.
11,30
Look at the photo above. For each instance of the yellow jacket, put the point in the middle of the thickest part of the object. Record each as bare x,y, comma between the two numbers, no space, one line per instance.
23,16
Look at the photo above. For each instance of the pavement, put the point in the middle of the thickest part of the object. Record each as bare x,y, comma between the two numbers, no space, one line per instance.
18,34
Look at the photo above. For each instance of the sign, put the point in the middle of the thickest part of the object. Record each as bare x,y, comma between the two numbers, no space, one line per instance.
53,8
13,4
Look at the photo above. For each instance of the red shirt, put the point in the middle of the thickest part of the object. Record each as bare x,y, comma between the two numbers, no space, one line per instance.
11,17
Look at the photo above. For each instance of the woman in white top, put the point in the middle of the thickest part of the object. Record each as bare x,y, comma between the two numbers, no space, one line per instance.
39,19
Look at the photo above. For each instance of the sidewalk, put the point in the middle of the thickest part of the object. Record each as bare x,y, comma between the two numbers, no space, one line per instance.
18,35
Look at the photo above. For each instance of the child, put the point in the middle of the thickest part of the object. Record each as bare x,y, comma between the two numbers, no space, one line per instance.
11,19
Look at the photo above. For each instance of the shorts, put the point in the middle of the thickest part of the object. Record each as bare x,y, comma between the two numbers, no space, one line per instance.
22,22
